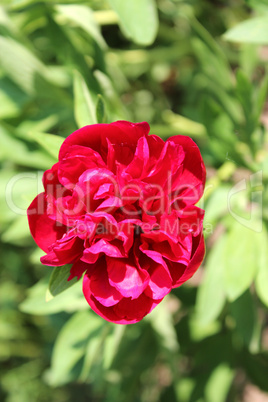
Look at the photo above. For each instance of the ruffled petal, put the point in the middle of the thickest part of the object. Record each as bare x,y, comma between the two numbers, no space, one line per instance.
44,230
190,184
64,251
129,280
198,253
95,135
96,283
160,282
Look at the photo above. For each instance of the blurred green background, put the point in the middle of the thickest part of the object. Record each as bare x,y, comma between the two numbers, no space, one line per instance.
195,67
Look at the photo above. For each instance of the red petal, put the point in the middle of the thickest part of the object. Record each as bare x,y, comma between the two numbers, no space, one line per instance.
160,283
194,173
97,284
95,135
78,269
129,280
44,230
134,310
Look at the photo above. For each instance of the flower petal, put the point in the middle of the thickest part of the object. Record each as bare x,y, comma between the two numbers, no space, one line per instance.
44,230
129,280
96,283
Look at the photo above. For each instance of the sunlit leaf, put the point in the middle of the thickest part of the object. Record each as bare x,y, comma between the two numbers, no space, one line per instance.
138,19
254,30
70,300
83,17
71,345
84,108
51,143
219,383
240,260
211,293
261,281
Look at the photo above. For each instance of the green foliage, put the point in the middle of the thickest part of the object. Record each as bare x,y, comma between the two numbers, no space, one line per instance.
138,19
186,68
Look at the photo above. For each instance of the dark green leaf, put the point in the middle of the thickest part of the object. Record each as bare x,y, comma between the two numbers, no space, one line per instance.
59,281
100,110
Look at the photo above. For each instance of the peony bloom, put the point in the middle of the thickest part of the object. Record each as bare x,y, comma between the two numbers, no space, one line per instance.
119,205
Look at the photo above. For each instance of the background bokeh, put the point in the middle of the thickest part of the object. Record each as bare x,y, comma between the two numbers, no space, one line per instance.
194,67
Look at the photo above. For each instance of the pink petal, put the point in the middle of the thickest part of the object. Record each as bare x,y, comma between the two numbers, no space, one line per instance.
92,253
129,280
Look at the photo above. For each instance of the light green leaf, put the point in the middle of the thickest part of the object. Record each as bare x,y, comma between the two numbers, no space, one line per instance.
70,300
261,282
51,143
219,383
59,281
211,293
21,65
216,205
83,17
18,232
16,151
17,190
254,30
240,260
84,107
162,321
71,345
138,19
112,344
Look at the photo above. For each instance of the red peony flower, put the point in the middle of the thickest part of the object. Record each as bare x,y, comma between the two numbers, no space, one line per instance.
120,206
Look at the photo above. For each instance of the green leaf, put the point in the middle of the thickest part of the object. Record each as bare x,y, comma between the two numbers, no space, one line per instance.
261,281
261,97
242,310
216,206
162,322
18,232
83,17
112,344
240,260
84,108
51,143
211,293
138,19
100,110
71,345
20,64
244,91
59,281
12,99
16,151
219,383
70,300
254,30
